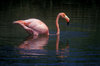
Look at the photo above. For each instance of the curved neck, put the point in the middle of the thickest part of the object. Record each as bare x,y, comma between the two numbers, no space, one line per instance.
57,24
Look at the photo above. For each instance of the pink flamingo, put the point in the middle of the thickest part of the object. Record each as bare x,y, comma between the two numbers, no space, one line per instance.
37,27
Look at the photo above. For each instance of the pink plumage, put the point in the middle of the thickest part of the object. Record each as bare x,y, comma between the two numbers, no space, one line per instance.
37,27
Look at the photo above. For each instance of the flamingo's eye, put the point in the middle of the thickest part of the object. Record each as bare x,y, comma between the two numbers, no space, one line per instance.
63,15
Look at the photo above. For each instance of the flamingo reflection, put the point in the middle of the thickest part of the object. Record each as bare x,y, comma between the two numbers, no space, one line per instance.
35,46
34,43
62,52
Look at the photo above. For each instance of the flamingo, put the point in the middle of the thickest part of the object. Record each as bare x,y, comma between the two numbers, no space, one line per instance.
37,27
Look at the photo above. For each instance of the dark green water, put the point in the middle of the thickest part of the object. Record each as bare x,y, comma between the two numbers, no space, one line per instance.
77,45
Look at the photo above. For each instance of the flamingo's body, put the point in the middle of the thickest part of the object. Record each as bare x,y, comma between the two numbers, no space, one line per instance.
37,27
34,26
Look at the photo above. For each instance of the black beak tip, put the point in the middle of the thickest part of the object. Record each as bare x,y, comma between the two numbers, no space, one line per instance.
68,23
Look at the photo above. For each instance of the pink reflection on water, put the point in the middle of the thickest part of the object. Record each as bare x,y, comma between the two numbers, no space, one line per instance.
34,43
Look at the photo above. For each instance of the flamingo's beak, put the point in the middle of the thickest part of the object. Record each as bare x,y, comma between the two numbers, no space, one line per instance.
67,19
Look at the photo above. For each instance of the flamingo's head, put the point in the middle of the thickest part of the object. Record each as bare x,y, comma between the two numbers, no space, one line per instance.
63,15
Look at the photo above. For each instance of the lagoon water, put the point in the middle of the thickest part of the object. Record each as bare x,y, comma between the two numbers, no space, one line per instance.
77,45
